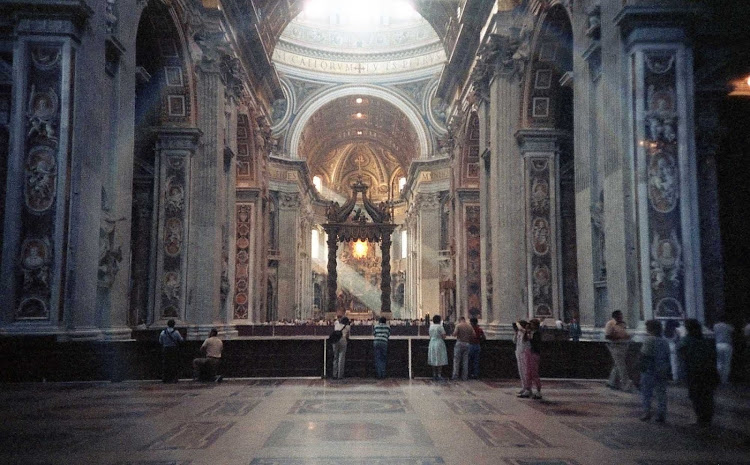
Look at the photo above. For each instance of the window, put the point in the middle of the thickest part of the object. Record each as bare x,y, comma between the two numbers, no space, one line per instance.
401,184
315,251
318,183
403,243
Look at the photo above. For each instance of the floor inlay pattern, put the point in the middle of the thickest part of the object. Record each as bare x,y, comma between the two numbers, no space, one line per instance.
191,435
333,406
472,407
229,408
350,461
359,422
505,434
394,433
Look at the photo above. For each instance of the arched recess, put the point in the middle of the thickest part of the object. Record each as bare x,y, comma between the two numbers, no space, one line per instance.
314,104
163,98
548,105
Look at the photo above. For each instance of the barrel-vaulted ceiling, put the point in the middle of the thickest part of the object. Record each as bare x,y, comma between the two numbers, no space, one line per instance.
358,135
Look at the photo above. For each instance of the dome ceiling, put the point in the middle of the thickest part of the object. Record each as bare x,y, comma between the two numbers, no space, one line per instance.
353,136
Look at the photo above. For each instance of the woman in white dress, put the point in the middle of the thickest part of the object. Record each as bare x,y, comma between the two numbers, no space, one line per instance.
437,355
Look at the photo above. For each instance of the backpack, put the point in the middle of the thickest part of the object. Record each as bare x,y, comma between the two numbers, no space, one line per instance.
335,336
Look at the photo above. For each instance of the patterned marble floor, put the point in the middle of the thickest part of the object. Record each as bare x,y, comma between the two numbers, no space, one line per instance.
358,422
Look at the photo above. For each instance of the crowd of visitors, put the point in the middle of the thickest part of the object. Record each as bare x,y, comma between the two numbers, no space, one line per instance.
670,352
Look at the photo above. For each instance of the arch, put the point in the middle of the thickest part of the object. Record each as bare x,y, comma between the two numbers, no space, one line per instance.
469,162
319,100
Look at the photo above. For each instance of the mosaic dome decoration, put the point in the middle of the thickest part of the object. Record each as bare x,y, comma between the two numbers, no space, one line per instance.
339,39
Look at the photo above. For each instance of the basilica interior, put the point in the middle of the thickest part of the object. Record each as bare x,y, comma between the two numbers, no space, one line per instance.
551,159
262,167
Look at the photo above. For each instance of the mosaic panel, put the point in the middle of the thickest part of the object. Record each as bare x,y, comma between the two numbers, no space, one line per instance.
650,437
230,408
350,461
191,435
505,434
471,407
376,406
362,433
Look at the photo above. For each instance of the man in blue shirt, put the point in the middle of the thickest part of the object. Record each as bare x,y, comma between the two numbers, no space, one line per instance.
381,333
170,340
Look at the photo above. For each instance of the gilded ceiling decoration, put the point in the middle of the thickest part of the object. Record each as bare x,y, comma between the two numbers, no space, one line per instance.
347,138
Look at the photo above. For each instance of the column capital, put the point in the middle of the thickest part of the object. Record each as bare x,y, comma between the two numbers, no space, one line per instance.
542,140
672,21
175,138
53,17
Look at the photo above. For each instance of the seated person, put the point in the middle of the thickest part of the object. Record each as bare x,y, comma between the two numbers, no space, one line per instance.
206,368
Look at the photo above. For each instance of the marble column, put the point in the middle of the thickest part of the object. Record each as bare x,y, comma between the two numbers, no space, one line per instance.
175,149
663,149
46,266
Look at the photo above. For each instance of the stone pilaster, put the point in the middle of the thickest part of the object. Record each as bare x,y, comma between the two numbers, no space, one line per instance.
507,193
289,225
663,151
540,149
427,241
175,148
46,267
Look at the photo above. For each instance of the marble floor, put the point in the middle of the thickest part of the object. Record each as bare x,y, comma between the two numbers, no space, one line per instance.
359,422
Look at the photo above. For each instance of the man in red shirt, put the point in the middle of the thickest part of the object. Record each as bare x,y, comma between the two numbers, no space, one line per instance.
475,348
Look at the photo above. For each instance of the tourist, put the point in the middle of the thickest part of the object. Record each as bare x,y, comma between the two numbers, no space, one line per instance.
206,368
522,345
616,333
723,332
533,355
464,334
672,335
170,340
339,347
655,368
381,333
437,355
699,359
574,329
475,348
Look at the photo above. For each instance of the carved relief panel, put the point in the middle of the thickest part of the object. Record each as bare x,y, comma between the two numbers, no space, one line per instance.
662,179
42,165
242,261
541,236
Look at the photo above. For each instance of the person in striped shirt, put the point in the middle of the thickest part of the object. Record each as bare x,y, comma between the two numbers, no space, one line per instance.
381,333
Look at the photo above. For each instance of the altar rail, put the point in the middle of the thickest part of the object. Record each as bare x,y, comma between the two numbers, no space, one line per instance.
42,358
